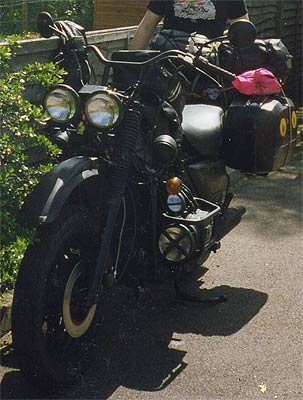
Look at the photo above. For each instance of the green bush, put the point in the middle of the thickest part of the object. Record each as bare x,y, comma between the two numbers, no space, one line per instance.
20,127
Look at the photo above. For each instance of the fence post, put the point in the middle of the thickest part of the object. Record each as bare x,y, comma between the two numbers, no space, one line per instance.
11,8
24,15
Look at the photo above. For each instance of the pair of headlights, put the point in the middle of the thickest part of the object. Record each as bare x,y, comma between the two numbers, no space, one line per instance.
103,108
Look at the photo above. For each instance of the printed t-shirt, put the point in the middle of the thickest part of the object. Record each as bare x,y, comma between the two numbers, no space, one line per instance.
207,17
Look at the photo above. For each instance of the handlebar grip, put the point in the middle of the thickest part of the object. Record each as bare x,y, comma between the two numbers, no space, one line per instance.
214,68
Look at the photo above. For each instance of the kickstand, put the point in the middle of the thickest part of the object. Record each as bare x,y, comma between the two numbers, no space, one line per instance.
182,296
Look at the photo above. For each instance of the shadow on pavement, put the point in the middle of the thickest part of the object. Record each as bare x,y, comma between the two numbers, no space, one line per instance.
137,345
274,202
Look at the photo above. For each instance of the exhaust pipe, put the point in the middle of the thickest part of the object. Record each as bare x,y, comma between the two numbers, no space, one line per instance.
230,220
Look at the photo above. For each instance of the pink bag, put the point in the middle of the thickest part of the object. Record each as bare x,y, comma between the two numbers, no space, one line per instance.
258,81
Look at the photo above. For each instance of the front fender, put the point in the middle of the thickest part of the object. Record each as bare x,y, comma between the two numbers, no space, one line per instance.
44,204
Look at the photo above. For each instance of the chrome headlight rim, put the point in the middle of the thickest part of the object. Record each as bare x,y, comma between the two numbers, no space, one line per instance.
68,89
115,98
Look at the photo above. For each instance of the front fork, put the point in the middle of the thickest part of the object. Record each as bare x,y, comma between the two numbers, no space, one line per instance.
118,179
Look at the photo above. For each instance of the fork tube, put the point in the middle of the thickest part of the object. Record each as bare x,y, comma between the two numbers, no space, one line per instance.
118,180
154,196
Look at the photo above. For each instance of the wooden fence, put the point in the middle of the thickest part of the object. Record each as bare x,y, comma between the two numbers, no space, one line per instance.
115,14
282,19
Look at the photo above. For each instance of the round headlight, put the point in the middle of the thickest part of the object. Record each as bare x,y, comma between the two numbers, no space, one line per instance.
61,103
103,109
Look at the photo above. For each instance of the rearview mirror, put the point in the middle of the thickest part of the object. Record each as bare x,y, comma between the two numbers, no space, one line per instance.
45,24
242,34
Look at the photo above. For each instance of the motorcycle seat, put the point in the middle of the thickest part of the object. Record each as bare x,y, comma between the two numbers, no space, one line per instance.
202,126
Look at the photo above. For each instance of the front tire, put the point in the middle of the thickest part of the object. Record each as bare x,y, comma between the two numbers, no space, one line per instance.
50,318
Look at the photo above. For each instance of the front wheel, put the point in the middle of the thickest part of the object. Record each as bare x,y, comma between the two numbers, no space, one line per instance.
50,316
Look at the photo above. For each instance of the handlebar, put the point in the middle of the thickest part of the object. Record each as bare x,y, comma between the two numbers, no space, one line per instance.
241,34
185,58
214,68
165,55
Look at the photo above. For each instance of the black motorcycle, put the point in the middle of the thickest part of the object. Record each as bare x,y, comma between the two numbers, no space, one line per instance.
145,195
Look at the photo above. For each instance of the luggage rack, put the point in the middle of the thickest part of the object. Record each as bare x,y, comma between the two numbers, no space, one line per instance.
203,219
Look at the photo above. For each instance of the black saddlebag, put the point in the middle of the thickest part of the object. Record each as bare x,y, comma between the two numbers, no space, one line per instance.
125,76
160,78
259,133
269,53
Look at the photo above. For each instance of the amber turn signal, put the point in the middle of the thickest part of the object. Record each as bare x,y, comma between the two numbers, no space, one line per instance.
174,186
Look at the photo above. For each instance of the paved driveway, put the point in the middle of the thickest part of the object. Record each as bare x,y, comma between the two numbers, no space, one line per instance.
249,347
